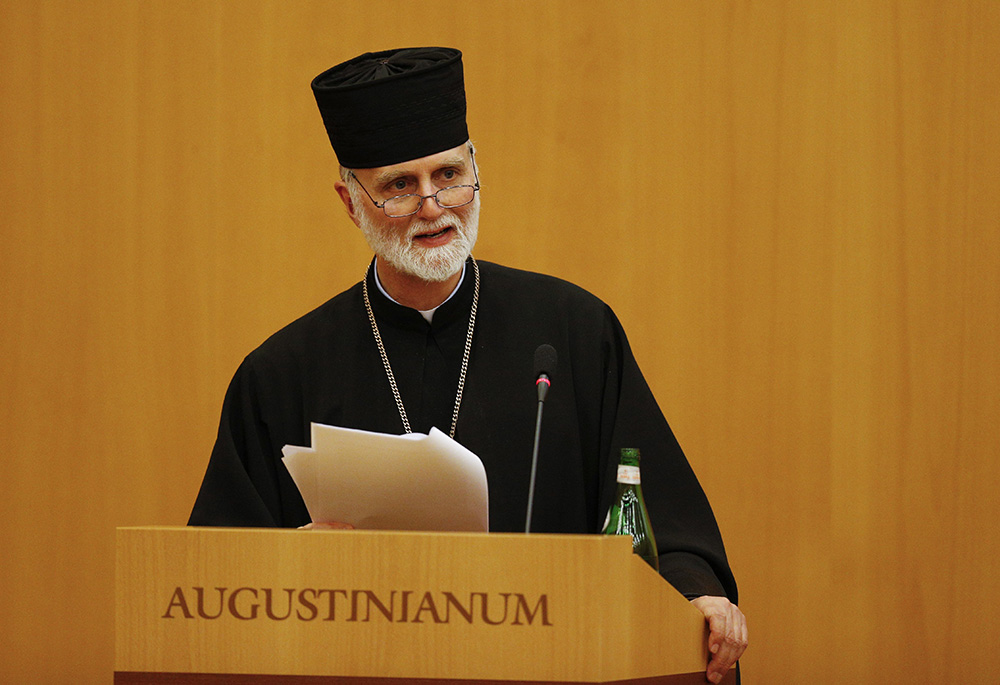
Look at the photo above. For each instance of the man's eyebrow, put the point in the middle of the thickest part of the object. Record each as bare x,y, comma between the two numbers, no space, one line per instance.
454,161
387,176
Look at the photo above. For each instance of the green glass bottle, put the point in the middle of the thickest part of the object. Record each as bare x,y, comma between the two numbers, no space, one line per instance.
627,515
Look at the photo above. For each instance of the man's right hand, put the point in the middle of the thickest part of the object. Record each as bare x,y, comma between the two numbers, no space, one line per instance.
328,525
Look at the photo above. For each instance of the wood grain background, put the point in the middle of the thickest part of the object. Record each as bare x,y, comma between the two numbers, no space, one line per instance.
793,207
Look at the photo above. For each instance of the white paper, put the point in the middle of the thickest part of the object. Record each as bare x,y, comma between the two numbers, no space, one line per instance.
390,482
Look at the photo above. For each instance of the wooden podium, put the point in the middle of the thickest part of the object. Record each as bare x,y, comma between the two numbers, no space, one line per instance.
225,605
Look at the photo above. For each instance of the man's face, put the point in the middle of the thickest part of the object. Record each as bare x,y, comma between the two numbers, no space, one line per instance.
433,243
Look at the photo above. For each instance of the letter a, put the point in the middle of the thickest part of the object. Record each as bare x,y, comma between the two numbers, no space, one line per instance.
177,600
427,604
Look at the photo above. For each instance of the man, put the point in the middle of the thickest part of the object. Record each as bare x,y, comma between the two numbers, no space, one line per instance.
431,337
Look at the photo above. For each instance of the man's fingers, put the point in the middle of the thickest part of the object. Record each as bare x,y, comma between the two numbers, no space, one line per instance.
728,651
727,634
327,525
723,660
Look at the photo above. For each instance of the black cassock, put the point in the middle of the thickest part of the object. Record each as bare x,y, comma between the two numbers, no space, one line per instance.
326,368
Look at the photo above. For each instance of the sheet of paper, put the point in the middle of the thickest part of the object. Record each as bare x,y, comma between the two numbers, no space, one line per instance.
390,482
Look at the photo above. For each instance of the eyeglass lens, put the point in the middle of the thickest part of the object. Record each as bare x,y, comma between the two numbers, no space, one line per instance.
454,196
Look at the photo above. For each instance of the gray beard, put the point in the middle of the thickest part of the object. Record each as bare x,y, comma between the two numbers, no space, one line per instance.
434,264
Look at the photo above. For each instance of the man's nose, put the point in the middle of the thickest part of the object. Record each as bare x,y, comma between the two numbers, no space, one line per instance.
429,208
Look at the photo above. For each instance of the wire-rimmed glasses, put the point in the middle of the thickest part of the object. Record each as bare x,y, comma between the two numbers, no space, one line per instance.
409,204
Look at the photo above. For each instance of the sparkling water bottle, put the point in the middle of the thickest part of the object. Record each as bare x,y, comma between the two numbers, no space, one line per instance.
627,515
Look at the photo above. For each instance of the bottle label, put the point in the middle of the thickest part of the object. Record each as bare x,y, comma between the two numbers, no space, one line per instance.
628,474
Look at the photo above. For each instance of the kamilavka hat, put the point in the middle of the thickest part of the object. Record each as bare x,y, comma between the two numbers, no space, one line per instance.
388,107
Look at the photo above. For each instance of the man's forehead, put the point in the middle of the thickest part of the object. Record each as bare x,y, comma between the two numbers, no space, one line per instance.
457,156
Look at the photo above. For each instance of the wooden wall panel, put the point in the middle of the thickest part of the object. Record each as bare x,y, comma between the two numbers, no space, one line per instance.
791,206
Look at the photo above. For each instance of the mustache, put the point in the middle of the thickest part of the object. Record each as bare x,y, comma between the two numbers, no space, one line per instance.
420,226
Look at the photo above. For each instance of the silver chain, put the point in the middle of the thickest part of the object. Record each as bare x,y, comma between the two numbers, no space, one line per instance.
465,356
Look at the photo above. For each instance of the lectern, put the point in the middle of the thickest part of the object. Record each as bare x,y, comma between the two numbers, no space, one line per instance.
224,605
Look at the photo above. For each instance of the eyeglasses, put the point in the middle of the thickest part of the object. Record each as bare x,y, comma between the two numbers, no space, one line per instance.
409,204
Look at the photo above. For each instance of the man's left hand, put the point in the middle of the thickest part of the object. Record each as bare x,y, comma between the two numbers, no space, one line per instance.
727,638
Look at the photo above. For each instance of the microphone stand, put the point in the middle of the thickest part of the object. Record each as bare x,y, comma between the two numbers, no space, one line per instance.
542,385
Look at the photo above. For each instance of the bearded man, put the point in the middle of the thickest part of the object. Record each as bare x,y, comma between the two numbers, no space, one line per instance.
432,338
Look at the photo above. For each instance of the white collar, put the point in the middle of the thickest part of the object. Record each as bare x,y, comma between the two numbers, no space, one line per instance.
428,314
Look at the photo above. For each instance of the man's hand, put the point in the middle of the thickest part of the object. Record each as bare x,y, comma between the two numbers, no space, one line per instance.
727,638
331,525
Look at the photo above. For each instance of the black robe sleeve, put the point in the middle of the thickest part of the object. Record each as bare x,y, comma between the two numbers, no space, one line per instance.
245,484
692,554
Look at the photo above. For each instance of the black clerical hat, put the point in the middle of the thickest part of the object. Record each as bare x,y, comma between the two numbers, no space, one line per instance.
388,107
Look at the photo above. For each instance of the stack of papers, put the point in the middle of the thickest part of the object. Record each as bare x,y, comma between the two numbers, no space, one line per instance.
390,482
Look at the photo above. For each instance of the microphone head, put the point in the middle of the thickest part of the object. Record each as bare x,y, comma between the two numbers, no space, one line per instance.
545,360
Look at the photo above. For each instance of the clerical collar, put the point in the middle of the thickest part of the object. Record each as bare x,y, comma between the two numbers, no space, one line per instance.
428,314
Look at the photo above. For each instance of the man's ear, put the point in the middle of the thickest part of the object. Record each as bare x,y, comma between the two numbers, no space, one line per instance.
345,197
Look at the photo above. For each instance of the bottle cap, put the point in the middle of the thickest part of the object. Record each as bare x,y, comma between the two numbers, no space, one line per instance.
630,456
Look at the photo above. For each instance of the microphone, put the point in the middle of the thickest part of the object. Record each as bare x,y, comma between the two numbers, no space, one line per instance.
545,367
